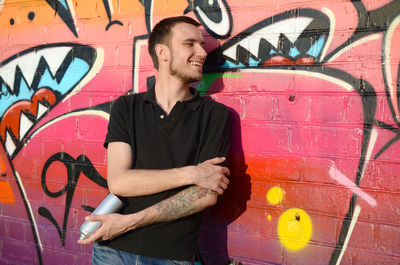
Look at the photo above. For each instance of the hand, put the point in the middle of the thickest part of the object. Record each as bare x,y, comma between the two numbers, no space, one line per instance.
112,226
210,175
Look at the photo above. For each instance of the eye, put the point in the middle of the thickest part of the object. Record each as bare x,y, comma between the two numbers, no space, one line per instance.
215,16
31,16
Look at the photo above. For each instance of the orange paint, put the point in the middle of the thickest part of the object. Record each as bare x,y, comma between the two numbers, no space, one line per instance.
6,193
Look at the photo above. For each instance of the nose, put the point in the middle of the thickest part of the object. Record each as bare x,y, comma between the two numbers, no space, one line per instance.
201,52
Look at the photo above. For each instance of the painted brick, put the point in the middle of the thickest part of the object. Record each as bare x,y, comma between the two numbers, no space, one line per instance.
35,38
259,107
326,109
58,257
315,169
258,248
35,190
3,226
387,210
13,211
93,197
235,104
253,221
284,168
323,229
16,230
28,237
384,246
312,254
382,175
96,152
255,142
315,198
362,236
368,258
12,249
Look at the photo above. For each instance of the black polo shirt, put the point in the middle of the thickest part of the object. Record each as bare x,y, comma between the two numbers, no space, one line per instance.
195,130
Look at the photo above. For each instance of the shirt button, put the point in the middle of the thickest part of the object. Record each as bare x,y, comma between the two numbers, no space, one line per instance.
162,116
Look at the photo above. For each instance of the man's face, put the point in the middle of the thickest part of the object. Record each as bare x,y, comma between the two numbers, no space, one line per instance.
187,53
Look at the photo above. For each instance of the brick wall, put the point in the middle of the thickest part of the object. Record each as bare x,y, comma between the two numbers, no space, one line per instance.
313,90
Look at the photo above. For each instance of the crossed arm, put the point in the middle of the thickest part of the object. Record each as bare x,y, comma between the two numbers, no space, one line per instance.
208,179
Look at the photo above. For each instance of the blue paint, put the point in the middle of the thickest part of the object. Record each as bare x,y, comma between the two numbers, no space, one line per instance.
316,49
74,73
253,62
229,64
64,3
272,52
24,93
294,52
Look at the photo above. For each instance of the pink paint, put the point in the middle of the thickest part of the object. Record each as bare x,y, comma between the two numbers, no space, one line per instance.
345,181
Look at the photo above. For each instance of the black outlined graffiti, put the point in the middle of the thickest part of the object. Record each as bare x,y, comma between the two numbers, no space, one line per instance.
63,10
109,14
74,168
214,15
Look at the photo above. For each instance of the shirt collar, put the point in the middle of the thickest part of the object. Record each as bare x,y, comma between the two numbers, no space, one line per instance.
192,103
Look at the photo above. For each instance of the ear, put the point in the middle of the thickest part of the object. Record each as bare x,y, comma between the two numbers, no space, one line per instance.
162,52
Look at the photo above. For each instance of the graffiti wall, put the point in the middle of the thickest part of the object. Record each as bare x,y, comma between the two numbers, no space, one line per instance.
313,87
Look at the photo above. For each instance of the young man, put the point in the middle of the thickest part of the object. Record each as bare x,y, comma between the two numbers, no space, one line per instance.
165,150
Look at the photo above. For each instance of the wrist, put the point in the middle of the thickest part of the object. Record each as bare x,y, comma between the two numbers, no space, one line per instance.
135,220
186,176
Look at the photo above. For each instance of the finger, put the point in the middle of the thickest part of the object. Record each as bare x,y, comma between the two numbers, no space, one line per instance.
225,180
224,186
219,191
93,238
95,218
225,171
215,160
96,236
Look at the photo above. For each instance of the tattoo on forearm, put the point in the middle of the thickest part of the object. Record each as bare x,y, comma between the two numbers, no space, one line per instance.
182,204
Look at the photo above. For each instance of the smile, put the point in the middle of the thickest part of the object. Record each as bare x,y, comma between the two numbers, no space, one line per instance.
196,64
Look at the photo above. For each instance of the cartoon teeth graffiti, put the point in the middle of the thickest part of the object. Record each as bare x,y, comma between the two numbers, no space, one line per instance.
295,37
33,82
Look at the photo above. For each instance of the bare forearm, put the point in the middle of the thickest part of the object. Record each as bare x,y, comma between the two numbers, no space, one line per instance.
137,182
189,201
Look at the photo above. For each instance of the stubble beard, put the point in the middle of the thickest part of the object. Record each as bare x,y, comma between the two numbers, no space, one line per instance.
181,75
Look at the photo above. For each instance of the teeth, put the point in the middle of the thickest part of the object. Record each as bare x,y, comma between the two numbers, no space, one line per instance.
197,64
9,143
41,110
24,125
55,57
291,28
28,64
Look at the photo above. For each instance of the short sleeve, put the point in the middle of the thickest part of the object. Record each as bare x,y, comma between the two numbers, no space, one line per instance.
218,135
118,124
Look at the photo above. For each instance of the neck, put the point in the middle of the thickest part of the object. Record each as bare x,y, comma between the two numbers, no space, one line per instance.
170,90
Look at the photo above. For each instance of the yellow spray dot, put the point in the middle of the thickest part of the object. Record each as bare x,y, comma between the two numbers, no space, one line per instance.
275,195
294,229
269,217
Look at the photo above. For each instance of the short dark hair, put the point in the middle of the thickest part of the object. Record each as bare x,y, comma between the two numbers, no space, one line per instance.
161,33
